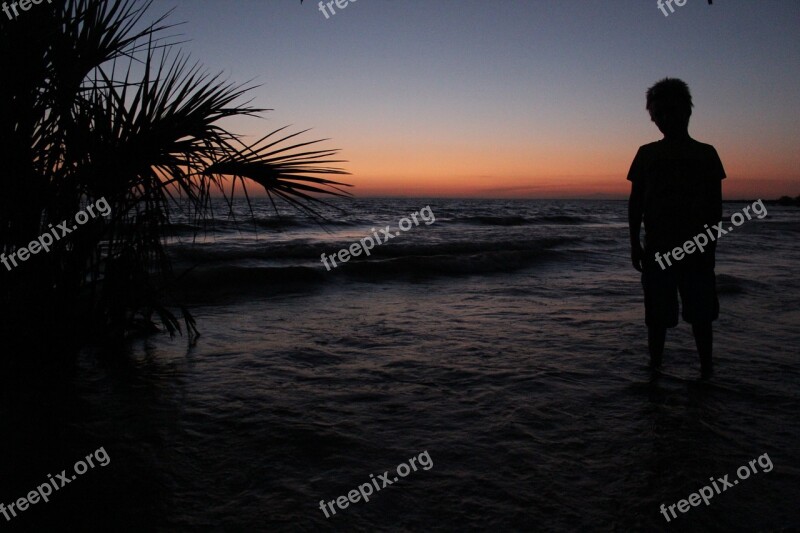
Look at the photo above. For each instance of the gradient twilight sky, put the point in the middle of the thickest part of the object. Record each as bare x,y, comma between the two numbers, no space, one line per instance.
512,98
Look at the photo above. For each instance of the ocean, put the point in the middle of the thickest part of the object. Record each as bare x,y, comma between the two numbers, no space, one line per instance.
506,339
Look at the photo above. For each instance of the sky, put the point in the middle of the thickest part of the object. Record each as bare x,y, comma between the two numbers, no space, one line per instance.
511,98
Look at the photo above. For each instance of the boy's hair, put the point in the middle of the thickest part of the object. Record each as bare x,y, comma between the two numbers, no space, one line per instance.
672,90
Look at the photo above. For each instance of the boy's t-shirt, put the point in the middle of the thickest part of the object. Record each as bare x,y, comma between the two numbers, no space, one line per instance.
681,190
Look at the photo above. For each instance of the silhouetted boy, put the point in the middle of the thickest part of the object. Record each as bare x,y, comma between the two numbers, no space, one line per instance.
676,188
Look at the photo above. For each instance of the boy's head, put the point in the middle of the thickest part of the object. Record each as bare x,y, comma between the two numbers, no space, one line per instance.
670,105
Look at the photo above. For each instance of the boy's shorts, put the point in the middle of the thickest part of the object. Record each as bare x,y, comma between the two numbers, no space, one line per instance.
696,285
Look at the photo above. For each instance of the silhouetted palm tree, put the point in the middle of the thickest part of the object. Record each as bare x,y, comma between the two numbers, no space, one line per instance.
94,103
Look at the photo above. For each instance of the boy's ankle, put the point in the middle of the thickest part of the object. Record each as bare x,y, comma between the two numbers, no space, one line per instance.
706,367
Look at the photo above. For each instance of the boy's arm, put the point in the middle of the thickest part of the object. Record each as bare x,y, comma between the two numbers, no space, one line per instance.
717,174
635,212
636,209
716,200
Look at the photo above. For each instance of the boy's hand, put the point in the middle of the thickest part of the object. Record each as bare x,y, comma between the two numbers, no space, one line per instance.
637,256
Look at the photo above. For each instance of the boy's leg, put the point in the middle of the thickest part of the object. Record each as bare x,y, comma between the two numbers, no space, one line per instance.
700,308
661,305
656,337
704,339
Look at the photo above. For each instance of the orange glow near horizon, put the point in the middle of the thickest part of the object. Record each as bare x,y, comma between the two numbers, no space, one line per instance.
586,187
458,172
541,162
516,171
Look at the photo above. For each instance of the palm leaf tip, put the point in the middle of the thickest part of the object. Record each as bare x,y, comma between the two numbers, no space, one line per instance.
283,170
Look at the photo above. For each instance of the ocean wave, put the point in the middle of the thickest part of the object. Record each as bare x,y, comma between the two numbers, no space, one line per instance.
729,284
516,220
304,250
457,259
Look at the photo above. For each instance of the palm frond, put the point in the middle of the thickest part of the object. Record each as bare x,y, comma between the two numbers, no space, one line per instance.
98,105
